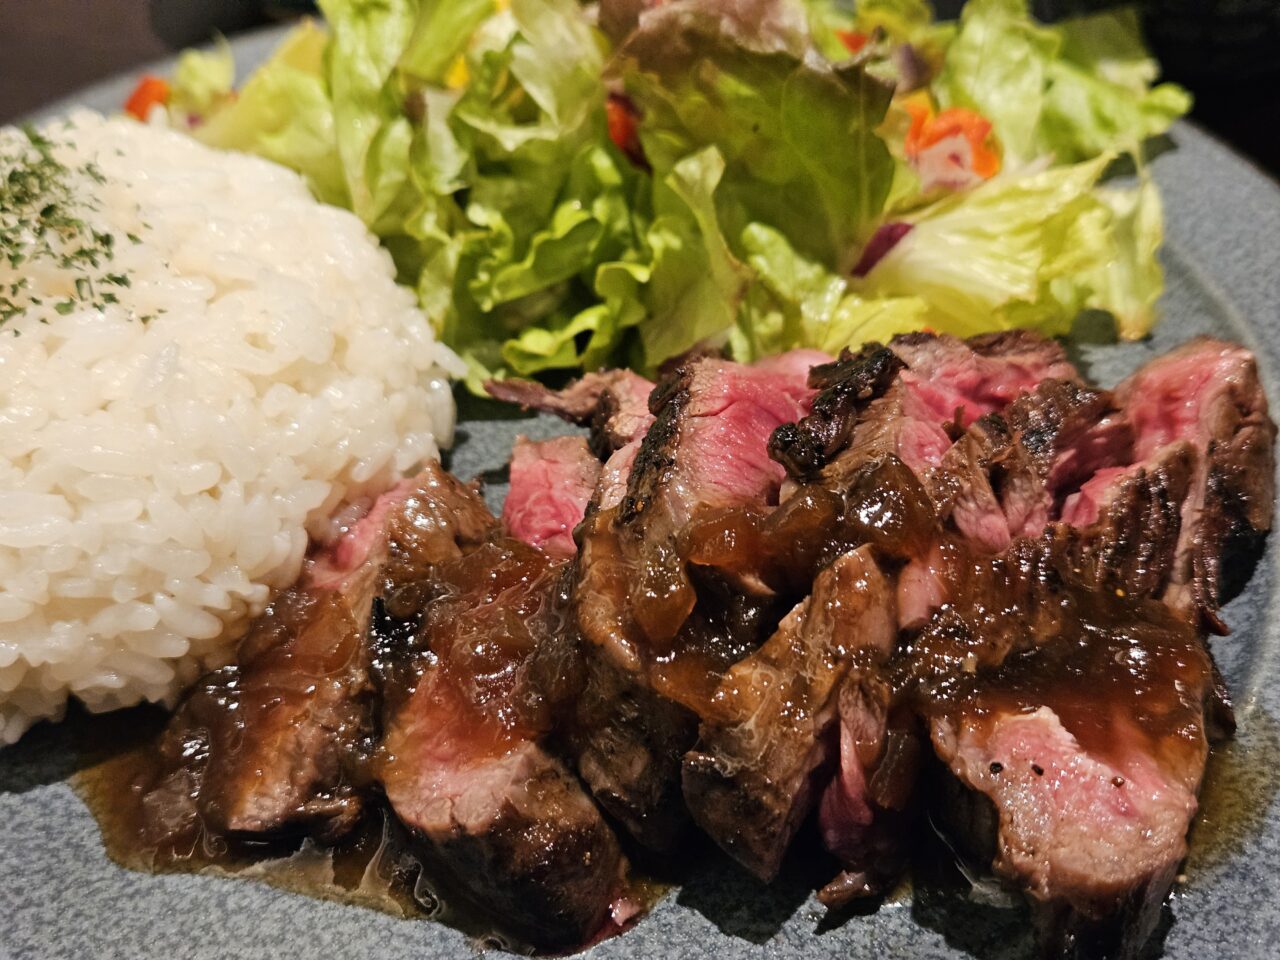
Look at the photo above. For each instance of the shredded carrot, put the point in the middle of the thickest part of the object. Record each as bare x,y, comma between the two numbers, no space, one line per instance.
928,128
149,92
620,113
853,40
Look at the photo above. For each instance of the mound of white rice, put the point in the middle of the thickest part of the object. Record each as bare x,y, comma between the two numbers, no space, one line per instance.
163,458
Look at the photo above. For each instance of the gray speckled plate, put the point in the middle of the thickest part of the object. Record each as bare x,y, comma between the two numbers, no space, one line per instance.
60,896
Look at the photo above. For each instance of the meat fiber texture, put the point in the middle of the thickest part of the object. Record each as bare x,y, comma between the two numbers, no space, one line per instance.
551,484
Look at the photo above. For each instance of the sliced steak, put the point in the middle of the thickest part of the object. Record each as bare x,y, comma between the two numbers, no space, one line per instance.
636,600
614,404
461,762
903,405
552,481
1207,393
705,450
749,783
271,744
1082,751
903,399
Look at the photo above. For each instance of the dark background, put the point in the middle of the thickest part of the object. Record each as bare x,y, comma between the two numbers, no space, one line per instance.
1226,51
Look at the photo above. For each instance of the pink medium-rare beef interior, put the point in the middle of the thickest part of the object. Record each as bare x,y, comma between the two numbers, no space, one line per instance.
959,382
461,760
1198,392
552,481
271,744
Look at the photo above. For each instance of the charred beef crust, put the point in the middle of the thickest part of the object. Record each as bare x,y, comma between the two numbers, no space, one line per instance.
628,743
657,454
551,892
603,439
542,861
1002,478
1006,343
1239,497
1047,421
766,744
1133,545
846,386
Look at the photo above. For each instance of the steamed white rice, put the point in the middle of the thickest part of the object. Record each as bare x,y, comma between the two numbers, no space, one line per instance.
158,477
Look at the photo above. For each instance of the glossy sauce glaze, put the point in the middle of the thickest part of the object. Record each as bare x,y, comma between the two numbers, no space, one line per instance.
478,654
1012,633
1025,630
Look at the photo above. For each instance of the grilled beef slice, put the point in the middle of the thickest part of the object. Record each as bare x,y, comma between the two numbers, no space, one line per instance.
552,482
1125,522
1207,392
628,742
705,450
614,404
269,745
461,761
1072,707
766,735
1075,720
659,651
962,380
903,399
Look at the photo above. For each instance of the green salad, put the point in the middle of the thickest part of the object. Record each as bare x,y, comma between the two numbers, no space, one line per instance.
573,187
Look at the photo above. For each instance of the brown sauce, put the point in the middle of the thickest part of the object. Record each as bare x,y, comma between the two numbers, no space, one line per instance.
371,868
1237,795
1021,631
1131,656
120,755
